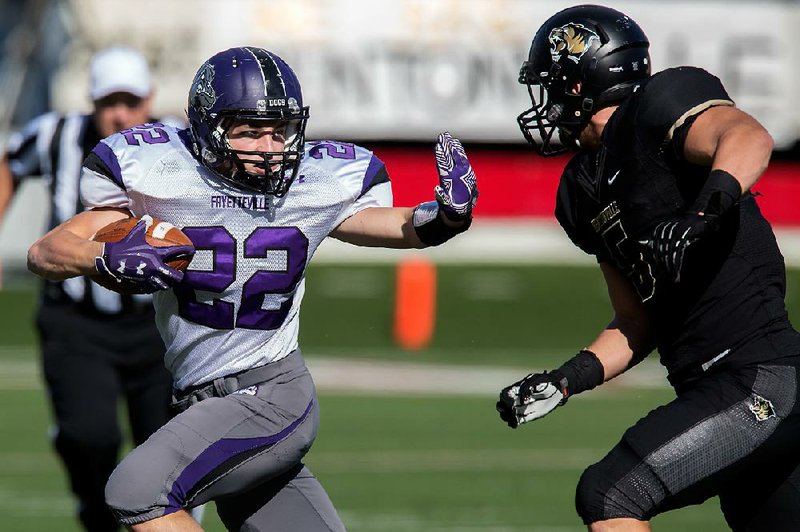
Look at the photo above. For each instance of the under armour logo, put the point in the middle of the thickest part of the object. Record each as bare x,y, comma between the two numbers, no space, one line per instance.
139,269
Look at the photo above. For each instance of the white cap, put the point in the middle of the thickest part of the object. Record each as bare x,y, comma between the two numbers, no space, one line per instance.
119,69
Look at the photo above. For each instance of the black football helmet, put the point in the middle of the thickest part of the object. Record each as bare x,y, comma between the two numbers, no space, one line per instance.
583,58
247,84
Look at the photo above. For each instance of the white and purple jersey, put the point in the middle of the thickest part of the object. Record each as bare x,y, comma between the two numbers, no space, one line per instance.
238,305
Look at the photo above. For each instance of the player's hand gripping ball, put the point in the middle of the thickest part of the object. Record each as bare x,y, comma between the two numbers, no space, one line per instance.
141,255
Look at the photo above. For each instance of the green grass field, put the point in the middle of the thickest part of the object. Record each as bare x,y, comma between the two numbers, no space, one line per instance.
397,463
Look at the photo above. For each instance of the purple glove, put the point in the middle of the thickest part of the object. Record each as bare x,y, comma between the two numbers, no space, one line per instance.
457,191
133,260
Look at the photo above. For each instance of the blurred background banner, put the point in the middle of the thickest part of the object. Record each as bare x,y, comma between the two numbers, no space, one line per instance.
391,75
404,69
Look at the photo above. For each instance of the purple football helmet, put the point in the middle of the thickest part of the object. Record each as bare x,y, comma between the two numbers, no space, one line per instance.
247,83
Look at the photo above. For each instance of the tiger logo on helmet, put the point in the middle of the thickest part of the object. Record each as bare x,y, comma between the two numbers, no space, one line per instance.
571,40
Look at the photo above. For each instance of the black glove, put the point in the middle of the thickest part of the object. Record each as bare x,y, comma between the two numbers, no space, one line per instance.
672,237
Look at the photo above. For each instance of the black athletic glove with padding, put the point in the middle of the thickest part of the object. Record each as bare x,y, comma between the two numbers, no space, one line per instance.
672,237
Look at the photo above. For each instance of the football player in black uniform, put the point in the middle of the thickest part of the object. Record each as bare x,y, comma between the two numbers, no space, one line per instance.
659,192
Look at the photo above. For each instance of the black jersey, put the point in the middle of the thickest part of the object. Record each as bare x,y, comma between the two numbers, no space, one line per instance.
732,284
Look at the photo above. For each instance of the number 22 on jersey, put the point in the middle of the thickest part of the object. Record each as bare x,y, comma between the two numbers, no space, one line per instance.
262,285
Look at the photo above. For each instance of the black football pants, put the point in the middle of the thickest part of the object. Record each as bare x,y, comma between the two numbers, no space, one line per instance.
735,434
89,364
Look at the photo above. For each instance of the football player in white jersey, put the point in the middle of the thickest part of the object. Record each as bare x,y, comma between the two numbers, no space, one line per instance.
256,200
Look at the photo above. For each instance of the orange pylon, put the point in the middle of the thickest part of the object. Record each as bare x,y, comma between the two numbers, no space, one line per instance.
415,303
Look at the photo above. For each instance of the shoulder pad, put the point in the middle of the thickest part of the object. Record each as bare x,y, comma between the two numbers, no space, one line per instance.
355,166
576,203
117,151
672,96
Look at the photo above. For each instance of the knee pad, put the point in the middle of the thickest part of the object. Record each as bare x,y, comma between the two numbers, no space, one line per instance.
619,486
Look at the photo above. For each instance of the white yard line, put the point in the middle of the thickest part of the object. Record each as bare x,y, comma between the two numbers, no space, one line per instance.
333,374
377,376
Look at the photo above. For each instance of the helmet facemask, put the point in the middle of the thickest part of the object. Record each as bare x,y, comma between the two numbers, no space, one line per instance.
554,110
280,168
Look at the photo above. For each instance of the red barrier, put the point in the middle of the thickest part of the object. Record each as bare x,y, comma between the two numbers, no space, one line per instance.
518,183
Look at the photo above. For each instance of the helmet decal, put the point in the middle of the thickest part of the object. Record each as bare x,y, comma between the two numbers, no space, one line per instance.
571,40
203,93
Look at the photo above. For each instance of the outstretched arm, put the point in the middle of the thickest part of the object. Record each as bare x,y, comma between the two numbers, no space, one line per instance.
620,346
430,223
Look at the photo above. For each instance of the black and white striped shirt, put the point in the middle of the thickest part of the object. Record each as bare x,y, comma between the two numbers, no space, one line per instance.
53,147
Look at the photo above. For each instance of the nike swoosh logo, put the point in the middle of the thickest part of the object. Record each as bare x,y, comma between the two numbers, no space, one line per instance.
613,177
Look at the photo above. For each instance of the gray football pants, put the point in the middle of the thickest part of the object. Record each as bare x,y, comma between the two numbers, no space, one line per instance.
243,451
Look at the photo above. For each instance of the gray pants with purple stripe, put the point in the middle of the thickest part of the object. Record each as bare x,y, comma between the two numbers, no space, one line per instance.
243,450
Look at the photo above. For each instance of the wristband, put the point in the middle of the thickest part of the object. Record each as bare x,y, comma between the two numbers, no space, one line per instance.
430,228
582,372
719,193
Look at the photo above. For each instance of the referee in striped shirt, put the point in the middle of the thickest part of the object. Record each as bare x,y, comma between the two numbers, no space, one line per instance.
97,346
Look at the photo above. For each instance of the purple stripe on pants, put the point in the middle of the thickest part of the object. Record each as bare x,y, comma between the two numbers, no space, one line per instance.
217,454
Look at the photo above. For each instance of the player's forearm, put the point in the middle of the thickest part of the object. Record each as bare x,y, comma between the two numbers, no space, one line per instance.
388,227
61,254
621,345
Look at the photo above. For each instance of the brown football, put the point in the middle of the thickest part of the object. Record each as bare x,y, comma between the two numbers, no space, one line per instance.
159,234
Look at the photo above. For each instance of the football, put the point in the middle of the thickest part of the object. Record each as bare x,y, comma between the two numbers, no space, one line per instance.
159,234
